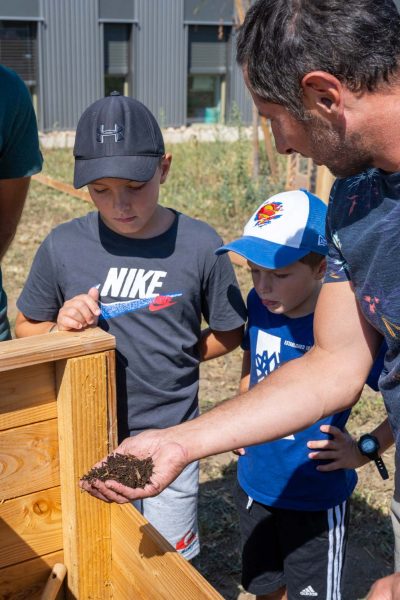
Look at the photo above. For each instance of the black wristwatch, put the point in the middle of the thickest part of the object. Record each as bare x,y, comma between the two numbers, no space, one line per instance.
368,445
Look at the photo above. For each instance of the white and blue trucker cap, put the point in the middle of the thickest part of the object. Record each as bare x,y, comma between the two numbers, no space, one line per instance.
282,230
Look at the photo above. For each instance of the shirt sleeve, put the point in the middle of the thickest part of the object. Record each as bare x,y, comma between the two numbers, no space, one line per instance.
337,268
20,155
41,297
222,303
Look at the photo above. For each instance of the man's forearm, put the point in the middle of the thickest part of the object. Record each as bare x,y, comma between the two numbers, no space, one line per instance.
273,408
12,199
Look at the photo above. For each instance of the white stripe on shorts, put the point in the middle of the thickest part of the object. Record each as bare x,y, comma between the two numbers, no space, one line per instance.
336,523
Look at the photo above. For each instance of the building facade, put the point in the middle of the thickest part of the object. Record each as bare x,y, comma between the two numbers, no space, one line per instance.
176,56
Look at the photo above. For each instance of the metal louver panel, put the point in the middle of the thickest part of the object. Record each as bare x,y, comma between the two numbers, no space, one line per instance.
18,49
208,57
116,49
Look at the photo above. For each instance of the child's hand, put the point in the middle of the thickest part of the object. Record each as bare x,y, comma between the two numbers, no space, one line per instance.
239,451
342,450
80,312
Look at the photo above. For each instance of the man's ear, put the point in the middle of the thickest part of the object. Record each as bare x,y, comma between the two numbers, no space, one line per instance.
323,93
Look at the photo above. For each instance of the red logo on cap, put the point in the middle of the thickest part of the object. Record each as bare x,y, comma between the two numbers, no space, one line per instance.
267,213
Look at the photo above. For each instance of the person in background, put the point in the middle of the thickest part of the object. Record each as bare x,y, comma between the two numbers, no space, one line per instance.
20,158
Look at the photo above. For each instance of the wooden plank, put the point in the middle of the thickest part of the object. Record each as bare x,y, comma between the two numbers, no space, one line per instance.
61,186
112,423
30,526
29,459
55,346
83,440
54,582
26,580
145,565
27,396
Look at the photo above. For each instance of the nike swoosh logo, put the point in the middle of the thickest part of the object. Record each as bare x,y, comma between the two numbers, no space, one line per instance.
161,302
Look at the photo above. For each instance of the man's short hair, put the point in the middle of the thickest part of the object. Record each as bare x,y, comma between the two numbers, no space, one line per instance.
280,41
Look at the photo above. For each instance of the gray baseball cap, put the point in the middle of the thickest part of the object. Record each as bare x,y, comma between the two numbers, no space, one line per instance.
117,136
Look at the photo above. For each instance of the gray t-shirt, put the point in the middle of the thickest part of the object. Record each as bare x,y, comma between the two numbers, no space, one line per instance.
363,233
153,294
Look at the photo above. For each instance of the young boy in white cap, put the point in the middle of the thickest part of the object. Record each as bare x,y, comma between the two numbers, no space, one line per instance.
145,273
293,518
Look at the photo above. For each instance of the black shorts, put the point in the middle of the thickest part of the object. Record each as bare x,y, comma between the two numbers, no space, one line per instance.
302,550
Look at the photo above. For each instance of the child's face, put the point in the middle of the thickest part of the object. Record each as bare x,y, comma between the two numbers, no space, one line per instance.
290,291
130,208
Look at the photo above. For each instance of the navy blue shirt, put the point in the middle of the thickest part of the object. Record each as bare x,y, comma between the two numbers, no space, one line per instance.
363,231
280,473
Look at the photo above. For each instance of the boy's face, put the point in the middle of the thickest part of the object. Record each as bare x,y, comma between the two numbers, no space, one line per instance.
131,208
290,291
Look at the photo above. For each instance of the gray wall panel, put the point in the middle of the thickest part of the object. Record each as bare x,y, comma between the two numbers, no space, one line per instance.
71,60
161,59
20,9
238,93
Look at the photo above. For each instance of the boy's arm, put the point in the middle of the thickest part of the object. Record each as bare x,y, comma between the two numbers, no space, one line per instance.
217,343
342,449
76,314
245,376
25,327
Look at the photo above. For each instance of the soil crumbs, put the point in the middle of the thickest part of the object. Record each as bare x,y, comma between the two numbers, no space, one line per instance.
123,468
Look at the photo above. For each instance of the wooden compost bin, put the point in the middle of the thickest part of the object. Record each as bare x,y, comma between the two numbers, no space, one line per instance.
57,418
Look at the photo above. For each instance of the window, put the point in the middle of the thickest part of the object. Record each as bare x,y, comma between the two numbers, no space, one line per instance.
208,59
18,51
117,58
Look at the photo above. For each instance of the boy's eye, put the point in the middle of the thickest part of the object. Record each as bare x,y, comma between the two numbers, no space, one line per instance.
136,188
281,275
100,190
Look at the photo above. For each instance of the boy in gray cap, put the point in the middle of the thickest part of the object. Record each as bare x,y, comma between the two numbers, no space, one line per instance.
145,273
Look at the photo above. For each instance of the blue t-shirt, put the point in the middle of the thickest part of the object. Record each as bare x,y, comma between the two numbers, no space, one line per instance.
364,248
280,473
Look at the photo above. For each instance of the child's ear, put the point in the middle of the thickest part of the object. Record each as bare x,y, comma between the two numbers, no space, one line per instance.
165,166
321,269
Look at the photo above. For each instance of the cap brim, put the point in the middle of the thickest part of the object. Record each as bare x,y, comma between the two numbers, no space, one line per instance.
134,168
265,254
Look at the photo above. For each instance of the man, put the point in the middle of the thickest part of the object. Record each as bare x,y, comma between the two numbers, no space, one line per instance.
20,158
326,73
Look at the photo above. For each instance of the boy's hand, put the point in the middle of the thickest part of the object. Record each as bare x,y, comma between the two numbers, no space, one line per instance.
169,460
342,450
80,312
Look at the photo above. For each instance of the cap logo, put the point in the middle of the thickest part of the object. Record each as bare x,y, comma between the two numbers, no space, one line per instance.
322,241
117,133
268,213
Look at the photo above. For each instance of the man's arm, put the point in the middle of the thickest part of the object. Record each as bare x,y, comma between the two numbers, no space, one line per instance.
327,379
13,193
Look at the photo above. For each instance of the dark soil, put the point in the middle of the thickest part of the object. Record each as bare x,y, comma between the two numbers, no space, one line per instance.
123,468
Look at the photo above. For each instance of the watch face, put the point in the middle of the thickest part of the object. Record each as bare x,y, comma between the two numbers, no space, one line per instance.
368,446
